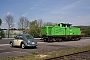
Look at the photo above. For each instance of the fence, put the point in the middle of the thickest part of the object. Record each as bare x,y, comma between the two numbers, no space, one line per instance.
12,33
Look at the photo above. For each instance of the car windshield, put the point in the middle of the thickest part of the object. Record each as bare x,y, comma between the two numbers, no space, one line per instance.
29,37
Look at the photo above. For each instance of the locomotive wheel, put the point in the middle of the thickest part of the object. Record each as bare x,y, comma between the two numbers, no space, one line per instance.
75,39
57,39
45,40
60,40
53,39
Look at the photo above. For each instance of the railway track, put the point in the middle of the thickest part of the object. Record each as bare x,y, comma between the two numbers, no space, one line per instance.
83,55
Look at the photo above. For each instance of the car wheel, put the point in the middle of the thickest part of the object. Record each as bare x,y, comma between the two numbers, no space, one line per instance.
11,44
22,46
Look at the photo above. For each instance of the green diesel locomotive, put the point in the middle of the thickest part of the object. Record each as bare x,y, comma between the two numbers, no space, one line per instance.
61,32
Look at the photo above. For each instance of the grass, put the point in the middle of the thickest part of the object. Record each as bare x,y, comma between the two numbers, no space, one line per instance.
37,56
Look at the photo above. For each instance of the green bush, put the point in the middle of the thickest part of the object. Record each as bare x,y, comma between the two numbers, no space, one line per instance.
87,32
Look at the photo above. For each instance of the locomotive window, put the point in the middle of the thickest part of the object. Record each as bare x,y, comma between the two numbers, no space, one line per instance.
68,25
58,24
63,25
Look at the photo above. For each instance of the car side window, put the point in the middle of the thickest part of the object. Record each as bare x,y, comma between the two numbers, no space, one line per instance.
17,37
29,37
21,37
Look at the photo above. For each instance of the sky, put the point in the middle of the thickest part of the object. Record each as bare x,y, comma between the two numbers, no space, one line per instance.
76,12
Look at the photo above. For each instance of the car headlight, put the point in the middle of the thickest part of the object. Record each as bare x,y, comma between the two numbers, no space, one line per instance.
33,42
28,41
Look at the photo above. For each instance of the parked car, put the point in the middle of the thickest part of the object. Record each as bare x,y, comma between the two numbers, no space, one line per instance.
24,40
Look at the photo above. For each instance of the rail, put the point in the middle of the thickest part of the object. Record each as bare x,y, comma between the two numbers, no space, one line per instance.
68,56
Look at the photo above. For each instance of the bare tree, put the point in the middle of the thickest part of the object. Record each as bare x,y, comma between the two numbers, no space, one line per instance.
40,22
54,24
47,23
10,21
23,23
26,23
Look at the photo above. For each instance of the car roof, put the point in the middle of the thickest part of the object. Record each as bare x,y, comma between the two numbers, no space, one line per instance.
23,34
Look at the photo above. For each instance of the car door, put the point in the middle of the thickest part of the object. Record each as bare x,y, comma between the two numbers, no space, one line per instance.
16,40
19,40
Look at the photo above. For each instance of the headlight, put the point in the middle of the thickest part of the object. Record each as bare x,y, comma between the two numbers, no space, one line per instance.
33,42
28,41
